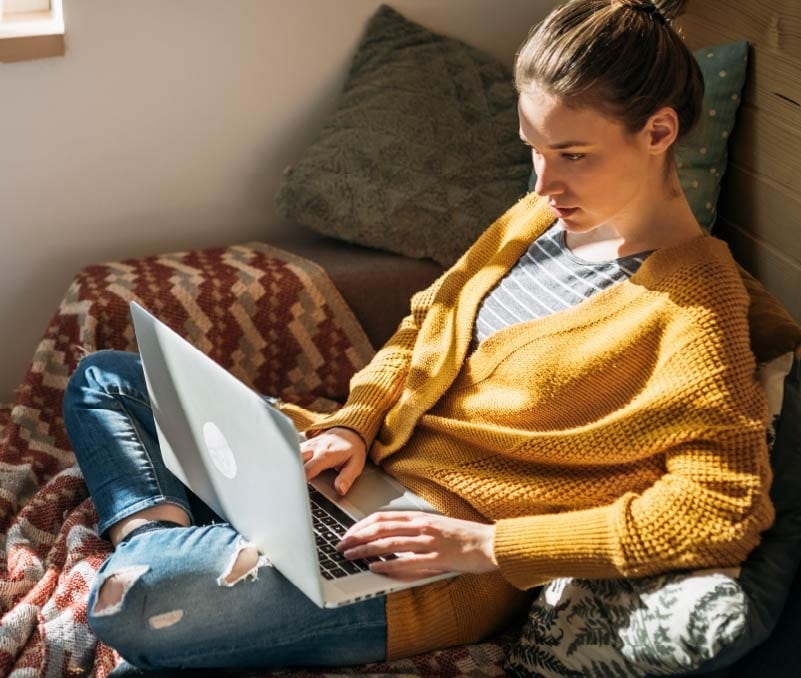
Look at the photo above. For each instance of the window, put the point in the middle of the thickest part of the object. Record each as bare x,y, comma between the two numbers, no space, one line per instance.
24,6
31,29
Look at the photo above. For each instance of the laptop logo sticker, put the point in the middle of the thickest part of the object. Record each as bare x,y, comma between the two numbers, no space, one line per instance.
219,449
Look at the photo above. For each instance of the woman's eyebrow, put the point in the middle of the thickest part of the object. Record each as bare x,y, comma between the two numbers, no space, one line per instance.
568,144
561,145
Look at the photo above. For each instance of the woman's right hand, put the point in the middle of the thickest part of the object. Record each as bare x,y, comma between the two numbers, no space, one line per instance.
338,447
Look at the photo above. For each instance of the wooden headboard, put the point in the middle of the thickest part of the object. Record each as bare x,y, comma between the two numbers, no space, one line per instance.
760,206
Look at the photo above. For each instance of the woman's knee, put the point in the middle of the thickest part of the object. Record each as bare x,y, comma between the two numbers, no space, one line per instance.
101,374
121,613
114,609
155,598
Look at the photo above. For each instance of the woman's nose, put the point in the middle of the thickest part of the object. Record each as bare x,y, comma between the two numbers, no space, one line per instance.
548,183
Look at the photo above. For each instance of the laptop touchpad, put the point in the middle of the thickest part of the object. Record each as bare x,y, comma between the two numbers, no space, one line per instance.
374,490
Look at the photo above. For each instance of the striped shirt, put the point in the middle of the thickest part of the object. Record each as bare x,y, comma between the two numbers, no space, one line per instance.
546,279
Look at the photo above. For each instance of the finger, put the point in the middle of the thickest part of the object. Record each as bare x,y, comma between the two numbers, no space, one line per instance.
320,461
385,524
396,545
383,517
350,471
396,536
309,447
407,568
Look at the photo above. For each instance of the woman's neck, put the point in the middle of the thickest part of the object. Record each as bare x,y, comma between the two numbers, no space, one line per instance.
662,223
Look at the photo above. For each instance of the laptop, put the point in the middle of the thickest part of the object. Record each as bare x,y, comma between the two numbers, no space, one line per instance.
241,456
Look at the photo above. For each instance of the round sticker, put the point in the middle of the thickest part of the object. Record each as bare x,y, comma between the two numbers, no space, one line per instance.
219,449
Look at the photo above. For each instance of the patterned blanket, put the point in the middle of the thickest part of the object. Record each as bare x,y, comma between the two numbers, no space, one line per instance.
273,319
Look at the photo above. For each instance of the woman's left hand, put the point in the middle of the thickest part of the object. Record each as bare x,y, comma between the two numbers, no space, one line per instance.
428,544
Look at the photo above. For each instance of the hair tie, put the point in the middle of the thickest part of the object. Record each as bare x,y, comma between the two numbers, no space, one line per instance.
651,10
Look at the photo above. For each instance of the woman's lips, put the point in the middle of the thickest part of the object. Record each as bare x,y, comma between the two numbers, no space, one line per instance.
563,212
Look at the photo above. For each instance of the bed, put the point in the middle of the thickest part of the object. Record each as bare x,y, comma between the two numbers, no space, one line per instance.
322,305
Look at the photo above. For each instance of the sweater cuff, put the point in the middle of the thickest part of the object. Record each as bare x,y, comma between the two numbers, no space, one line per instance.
536,549
350,416
365,408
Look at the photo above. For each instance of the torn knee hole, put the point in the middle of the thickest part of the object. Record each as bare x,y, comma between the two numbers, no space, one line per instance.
245,563
114,587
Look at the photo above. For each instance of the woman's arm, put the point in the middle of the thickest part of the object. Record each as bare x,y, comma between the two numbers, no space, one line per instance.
375,388
707,510
342,439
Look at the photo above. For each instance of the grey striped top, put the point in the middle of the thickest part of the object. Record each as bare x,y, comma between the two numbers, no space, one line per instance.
546,279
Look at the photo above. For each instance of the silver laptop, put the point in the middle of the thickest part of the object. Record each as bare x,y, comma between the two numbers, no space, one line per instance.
242,457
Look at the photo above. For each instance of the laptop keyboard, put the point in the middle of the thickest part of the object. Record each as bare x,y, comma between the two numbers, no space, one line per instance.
330,524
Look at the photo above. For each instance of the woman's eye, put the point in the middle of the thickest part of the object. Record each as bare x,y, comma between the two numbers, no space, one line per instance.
573,156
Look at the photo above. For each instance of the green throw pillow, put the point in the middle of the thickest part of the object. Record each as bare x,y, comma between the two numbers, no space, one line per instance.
701,156
422,153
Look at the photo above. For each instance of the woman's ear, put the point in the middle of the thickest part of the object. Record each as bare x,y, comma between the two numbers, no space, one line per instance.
661,130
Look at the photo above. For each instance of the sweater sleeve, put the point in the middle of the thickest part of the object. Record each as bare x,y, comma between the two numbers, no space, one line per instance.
376,387
711,502
706,511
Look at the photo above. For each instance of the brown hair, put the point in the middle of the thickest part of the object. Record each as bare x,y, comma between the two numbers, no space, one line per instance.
622,57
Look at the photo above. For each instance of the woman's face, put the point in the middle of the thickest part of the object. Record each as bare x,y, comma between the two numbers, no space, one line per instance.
592,171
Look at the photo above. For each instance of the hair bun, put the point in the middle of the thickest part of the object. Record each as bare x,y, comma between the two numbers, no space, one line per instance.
670,9
664,11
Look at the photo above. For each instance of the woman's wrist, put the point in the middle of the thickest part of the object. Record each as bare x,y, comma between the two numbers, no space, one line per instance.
490,548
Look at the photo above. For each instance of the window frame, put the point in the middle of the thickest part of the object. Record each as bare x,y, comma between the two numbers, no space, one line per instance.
34,29
25,6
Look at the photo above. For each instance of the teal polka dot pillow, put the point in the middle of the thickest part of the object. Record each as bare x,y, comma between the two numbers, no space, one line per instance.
701,156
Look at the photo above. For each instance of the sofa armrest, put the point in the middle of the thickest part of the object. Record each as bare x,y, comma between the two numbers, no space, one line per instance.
376,285
272,318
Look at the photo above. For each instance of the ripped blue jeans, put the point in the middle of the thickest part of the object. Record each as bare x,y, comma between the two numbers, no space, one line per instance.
178,603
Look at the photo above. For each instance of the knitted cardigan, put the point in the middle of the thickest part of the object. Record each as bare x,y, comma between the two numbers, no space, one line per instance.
622,437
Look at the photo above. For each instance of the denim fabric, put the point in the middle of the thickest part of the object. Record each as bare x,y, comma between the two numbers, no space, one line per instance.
178,608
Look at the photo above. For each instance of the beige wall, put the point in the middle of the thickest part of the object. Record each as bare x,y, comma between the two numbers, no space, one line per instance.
166,126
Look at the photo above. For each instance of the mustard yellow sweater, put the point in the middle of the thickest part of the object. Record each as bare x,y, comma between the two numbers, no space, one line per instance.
619,438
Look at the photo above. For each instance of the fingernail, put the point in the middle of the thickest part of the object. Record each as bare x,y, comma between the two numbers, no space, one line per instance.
342,487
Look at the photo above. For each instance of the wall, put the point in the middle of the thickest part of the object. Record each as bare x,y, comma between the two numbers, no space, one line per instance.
166,126
761,201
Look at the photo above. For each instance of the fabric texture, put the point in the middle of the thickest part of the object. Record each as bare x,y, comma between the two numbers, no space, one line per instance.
271,317
701,155
680,622
422,152
674,358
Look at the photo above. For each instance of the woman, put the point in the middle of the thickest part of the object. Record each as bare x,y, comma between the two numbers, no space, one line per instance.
576,395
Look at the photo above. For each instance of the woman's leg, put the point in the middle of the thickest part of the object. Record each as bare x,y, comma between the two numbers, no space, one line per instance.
110,425
187,596
181,606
